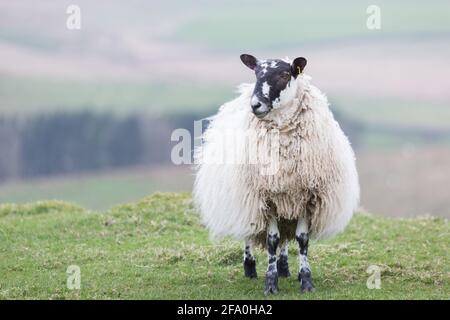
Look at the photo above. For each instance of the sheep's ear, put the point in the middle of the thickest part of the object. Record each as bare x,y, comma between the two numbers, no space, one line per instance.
297,66
249,60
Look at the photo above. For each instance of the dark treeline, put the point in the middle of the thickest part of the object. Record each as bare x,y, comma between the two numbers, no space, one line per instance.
77,142
57,143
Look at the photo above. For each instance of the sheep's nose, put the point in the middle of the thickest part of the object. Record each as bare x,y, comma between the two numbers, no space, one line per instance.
255,106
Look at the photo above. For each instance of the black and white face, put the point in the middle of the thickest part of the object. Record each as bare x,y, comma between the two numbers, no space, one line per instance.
273,80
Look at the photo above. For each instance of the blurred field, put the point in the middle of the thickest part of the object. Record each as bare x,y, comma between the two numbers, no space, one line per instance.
405,182
176,57
32,95
316,23
402,113
99,190
29,95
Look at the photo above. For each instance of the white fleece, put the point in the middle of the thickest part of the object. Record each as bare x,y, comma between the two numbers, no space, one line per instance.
316,177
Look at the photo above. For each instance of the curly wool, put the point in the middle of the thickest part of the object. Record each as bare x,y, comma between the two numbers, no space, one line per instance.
316,177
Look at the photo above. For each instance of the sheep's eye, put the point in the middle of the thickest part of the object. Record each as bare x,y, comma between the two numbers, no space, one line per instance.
286,75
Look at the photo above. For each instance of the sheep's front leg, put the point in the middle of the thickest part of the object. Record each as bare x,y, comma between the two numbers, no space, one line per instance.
304,274
273,239
282,262
249,260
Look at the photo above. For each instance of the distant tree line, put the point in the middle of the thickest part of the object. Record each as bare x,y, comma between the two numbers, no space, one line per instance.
56,143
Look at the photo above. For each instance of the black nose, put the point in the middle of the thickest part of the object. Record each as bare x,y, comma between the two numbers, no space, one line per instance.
256,106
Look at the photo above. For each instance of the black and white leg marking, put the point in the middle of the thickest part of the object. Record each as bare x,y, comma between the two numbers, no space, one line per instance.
282,262
273,239
249,260
304,274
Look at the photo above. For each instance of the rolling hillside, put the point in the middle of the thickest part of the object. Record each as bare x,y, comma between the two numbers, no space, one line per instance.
156,249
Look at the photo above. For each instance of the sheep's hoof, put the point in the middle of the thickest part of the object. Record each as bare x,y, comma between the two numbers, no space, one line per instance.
283,267
250,269
306,284
271,283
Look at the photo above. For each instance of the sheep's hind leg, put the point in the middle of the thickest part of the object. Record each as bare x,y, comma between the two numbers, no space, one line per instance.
273,239
282,262
304,274
249,260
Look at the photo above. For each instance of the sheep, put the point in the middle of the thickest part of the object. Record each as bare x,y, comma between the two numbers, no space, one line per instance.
311,192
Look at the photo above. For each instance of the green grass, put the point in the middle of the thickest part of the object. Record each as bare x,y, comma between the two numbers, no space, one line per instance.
156,249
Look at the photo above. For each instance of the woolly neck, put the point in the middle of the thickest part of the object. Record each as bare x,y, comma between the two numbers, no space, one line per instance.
287,117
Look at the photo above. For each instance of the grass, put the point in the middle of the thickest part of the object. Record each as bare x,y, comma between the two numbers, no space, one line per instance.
156,249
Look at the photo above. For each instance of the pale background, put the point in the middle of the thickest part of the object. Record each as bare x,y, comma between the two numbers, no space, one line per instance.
86,115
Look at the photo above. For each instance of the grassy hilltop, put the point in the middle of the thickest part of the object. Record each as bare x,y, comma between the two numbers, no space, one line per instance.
157,249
